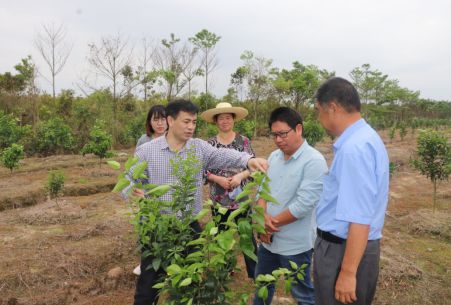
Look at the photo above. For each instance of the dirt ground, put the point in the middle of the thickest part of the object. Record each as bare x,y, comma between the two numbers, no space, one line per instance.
83,250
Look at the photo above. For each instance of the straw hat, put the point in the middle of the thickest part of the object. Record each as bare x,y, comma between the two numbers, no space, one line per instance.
240,112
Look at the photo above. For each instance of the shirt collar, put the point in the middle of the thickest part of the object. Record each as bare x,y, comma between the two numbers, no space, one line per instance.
348,132
298,152
163,143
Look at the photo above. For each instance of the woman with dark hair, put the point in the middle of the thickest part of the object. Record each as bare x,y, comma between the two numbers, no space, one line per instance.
156,124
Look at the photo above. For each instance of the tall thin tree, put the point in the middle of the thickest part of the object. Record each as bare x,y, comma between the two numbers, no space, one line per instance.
51,44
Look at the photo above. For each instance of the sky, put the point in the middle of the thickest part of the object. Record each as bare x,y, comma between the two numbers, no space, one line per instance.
410,40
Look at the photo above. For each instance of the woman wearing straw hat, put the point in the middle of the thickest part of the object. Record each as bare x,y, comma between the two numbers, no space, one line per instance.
227,183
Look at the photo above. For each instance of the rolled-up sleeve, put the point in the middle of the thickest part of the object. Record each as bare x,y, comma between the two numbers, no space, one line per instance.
223,157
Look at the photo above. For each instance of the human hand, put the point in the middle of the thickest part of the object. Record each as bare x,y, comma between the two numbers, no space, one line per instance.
266,238
235,180
258,164
271,224
223,182
345,287
138,193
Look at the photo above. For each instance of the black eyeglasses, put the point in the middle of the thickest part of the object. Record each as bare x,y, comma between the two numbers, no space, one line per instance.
281,134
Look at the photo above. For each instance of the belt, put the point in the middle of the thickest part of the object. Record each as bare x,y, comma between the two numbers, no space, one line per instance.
329,237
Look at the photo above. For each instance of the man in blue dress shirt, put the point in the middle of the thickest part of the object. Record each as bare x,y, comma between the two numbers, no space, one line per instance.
296,171
350,213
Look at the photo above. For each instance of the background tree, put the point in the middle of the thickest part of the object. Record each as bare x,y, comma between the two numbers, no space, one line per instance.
433,158
171,60
206,41
256,73
50,43
11,156
108,59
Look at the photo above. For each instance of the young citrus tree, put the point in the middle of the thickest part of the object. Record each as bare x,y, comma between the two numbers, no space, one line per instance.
55,184
313,132
11,156
433,158
100,142
197,269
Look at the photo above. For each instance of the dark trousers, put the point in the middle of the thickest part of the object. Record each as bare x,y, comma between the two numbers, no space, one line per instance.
144,293
302,291
326,267
250,263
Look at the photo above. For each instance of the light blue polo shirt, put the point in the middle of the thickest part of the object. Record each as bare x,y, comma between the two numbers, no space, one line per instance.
356,188
297,184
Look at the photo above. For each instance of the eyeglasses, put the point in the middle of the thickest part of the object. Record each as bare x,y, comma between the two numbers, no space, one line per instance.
281,134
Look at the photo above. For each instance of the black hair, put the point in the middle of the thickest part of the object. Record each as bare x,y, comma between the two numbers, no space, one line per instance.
341,91
157,111
173,108
286,115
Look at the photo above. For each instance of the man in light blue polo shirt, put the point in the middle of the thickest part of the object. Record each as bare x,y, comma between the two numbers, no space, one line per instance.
350,213
296,171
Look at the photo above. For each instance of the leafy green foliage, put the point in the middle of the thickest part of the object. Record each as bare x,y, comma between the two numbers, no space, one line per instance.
11,156
402,131
246,128
198,271
55,184
392,132
313,132
433,157
100,142
10,130
53,136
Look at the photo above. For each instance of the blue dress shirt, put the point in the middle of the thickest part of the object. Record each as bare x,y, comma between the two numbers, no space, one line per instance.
356,188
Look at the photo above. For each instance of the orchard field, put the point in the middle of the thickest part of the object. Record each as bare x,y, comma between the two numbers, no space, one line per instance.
83,249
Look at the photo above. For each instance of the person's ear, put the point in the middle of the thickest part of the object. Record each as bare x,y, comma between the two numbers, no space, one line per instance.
299,128
170,120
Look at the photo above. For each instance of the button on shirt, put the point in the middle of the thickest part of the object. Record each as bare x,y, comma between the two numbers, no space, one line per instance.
157,154
296,183
356,188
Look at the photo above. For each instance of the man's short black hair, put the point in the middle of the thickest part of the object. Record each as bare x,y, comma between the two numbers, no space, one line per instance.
286,115
341,91
173,108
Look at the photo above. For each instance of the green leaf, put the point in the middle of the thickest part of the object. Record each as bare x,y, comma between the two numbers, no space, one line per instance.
293,265
222,210
185,282
263,293
214,231
120,185
244,227
268,197
288,286
138,170
156,262
159,190
190,302
173,269
242,195
202,214
158,286
114,164
199,241
234,214
130,162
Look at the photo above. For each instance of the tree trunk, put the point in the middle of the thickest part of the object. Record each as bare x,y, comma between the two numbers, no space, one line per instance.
435,195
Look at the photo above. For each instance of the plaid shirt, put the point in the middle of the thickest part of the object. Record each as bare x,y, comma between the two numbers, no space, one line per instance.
159,171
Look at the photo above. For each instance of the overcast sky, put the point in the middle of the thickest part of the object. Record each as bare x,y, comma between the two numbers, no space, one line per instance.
409,40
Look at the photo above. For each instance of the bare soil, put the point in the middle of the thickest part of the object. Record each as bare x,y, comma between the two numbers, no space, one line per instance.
83,250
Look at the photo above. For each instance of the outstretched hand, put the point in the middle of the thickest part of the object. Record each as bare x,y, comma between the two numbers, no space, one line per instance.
258,164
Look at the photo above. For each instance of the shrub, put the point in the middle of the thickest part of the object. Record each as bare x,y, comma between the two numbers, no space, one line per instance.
55,184
433,157
99,143
245,127
11,156
402,131
10,131
392,132
313,132
53,137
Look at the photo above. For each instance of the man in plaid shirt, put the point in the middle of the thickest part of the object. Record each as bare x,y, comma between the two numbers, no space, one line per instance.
181,117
